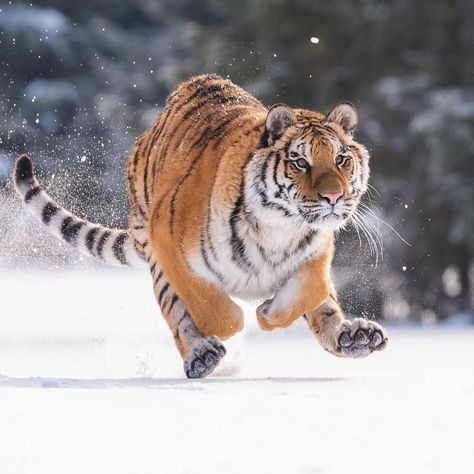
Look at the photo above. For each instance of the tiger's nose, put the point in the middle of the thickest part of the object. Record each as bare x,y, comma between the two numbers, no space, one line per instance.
332,198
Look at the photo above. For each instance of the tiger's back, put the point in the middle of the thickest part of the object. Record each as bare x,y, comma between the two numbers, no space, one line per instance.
173,166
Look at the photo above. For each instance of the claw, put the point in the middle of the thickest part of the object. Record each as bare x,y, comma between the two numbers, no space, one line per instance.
382,346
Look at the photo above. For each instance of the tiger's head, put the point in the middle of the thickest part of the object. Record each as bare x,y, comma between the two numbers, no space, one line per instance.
309,167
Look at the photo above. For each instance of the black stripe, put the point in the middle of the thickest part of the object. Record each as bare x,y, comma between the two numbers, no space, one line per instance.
285,171
102,240
183,317
273,205
208,235
136,153
220,100
152,268
222,136
90,239
32,193
139,252
158,278
163,120
49,210
173,301
141,211
70,229
145,180
163,291
264,139
275,173
305,241
180,183
156,128
204,256
203,92
197,158
215,133
219,130
264,198
255,128
175,107
276,162
177,188
329,313
153,174
202,135
118,249
239,254
200,92
168,139
263,173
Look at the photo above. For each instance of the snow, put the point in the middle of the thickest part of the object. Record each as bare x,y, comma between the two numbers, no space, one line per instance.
91,382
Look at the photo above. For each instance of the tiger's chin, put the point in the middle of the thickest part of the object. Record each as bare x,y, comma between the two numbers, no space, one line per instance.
333,221
328,221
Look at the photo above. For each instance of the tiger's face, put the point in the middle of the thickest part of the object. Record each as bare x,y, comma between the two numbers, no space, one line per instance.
313,170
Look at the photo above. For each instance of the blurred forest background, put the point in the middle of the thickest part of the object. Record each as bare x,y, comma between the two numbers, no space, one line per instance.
80,81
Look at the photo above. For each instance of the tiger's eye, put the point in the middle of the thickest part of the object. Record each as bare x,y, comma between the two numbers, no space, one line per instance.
302,163
340,160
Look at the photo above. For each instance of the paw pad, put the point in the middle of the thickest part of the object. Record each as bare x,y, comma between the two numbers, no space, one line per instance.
345,340
204,358
360,337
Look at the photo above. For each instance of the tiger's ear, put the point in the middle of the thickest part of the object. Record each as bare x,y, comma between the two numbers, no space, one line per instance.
279,118
345,115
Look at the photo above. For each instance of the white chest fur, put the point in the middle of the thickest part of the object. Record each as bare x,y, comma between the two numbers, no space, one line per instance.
252,261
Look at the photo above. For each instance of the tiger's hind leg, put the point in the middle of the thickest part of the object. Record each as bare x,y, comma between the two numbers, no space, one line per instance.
200,354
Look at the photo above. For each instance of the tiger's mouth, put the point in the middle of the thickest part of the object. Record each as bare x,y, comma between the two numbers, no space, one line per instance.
329,215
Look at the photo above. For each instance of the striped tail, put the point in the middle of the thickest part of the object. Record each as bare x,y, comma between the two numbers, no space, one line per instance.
112,246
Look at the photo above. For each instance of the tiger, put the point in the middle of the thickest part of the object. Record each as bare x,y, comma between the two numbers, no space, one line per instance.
231,199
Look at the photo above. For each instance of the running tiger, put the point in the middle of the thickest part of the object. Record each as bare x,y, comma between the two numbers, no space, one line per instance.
229,198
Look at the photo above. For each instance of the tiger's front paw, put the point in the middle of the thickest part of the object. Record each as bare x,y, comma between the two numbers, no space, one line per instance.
359,338
269,319
263,312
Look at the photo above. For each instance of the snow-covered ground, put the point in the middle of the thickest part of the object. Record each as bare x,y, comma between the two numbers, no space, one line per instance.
90,382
